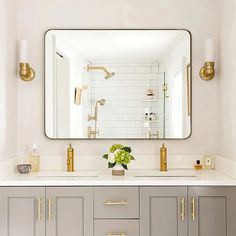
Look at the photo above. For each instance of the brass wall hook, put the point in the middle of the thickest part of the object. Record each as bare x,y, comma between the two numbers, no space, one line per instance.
26,72
207,72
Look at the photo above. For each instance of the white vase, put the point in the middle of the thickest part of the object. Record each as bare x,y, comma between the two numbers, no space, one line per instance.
118,170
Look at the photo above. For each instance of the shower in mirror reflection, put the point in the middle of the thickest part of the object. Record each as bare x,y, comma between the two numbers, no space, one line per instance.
93,133
108,74
95,117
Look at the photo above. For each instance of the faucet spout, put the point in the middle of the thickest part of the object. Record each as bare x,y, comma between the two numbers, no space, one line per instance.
70,159
163,158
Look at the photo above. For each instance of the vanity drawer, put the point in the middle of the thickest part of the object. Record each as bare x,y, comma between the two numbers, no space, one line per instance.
116,227
116,202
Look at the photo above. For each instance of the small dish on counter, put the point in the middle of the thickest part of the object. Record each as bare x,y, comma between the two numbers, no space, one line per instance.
24,168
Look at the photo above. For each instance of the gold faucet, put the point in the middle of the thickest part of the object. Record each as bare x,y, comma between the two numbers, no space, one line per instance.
70,159
163,158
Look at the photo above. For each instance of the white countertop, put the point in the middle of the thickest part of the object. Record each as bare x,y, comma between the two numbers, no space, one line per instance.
132,178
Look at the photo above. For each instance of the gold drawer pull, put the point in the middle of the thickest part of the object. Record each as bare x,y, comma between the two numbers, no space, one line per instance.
193,209
182,208
39,209
50,213
116,203
122,234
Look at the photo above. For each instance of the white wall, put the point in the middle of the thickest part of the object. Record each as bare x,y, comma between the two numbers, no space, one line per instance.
37,16
8,96
227,81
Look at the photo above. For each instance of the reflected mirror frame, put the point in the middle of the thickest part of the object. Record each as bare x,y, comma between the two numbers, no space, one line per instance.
189,89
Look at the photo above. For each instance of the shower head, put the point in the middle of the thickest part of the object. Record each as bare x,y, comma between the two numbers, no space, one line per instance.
109,75
101,102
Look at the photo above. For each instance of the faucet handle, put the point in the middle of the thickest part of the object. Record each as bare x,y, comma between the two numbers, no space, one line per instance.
90,117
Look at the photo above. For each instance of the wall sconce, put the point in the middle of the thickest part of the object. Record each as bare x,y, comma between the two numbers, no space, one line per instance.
207,72
26,72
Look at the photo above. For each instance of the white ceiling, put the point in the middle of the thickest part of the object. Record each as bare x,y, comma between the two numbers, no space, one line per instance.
120,46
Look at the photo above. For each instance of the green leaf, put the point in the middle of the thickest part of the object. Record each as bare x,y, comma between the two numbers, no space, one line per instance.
111,165
125,166
127,149
132,158
105,156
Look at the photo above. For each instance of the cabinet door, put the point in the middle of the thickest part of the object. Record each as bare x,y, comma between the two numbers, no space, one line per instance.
22,211
212,211
163,211
69,211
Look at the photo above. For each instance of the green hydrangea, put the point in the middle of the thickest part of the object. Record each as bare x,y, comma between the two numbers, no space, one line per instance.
114,147
123,157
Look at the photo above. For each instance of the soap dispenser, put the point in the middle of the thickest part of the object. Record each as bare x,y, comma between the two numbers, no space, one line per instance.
34,159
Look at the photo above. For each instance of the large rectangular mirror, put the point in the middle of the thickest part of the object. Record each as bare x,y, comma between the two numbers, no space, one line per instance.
108,84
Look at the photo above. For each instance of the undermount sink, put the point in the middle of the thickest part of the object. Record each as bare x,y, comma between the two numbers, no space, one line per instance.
68,174
131,173
158,174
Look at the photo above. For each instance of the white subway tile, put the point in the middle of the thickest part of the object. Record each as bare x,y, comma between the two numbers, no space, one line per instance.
134,76
116,96
97,84
142,83
134,131
118,77
134,117
124,69
116,110
135,96
113,116
134,90
133,124
124,93
136,110
114,124
155,69
101,90
116,131
150,76
118,90
134,103
142,69
115,104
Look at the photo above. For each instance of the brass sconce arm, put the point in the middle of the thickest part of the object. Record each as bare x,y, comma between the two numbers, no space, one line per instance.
207,72
26,72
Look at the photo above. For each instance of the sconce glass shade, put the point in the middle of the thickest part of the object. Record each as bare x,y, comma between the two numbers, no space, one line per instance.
209,50
207,72
26,72
23,51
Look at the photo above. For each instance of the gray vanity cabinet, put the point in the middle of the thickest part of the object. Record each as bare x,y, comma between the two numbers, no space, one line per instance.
69,211
212,211
163,211
22,211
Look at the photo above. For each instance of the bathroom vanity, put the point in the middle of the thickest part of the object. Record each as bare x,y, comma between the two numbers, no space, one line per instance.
104,205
